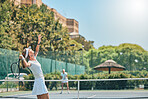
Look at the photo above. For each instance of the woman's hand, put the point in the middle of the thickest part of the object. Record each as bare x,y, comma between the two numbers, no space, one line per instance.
24,62
21,57
39,38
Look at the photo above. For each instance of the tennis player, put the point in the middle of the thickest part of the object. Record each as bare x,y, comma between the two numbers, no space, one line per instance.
64,77
39,87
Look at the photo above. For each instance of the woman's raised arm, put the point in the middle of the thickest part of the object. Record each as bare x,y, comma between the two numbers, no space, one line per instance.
38,45
24,62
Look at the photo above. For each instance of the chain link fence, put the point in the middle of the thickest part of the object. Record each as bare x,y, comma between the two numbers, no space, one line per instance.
51,62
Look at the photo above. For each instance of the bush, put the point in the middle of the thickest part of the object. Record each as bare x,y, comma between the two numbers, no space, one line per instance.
85,85
28,85
10,85
73,84
53,76
109,85
88,85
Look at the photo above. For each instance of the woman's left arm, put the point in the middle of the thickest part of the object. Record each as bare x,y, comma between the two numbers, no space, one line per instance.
38,45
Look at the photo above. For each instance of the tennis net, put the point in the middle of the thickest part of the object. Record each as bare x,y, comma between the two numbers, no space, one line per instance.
86,88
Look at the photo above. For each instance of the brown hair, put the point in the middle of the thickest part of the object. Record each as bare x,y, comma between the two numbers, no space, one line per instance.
24,54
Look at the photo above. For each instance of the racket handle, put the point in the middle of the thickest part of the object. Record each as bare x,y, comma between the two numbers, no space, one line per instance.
19,63
19,68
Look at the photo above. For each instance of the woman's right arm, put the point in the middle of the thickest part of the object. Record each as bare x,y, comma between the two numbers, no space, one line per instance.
24,62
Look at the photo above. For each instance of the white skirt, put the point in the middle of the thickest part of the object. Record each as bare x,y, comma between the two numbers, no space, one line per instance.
39,87
64,81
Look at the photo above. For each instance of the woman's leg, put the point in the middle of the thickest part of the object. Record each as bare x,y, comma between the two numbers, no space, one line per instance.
62,88
62,85
44,96
39,96
67,87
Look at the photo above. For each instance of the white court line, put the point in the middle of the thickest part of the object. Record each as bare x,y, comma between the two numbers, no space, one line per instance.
91,96
24,95
28,96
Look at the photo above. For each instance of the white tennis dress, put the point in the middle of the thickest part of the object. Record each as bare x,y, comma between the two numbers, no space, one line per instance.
39,87
64,77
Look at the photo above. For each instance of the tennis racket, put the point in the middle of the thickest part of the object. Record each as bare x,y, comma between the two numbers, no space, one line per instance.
15,69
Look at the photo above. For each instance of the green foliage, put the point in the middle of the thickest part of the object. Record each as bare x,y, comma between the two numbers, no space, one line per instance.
88,85
87,44
7,25
9,84
20,27
28,85
131,56
51,85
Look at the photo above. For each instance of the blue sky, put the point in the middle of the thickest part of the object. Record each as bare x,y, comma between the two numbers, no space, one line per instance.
107,22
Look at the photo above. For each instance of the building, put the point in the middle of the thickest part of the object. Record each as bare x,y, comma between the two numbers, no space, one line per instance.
17,2
30,2
61,18
71,24
73,28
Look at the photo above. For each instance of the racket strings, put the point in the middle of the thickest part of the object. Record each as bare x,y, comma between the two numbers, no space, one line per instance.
15,70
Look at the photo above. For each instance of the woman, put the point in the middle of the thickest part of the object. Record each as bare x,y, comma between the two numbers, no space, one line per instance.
39,87
64,78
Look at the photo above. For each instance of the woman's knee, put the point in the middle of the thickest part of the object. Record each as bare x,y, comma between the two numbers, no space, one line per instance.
45,96
39,96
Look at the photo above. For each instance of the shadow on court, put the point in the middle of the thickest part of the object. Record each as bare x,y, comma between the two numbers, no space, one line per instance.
118,94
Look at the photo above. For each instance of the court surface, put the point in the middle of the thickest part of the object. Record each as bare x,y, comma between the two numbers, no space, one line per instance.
113,94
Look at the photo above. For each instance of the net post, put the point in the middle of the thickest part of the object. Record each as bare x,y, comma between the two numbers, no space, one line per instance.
7,72
78,88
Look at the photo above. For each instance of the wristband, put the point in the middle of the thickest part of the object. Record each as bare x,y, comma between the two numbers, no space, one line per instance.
23,58
39,44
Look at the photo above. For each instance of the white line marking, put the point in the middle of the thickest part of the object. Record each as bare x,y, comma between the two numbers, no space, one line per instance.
28,96
91,96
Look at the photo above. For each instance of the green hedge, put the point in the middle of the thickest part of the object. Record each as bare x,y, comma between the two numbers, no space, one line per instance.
88,85
9,85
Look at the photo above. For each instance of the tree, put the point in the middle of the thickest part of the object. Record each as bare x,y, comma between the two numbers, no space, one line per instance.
7,37
21,25
131,56
87,44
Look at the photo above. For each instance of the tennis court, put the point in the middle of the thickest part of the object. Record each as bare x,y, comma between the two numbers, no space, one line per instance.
79,93
112,94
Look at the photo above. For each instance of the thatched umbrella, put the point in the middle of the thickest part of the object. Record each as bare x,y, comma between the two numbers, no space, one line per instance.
109,65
